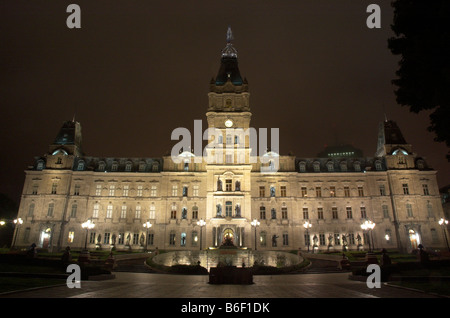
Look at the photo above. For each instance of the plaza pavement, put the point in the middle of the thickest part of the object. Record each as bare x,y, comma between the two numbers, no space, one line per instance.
153,285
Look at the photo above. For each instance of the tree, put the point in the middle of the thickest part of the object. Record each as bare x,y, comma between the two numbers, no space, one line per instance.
422,38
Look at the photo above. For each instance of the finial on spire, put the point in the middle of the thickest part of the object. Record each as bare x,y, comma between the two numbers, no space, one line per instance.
229,35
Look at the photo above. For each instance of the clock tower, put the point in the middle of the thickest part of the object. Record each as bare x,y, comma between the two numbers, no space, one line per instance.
228,152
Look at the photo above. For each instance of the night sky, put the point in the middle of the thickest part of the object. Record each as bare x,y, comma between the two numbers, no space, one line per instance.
136,70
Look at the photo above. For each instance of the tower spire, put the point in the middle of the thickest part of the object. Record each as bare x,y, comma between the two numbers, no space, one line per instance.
229,35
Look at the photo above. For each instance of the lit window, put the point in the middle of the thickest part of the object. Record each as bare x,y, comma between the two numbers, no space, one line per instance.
126,189
112,189
71,236
109,211
137,214
139,191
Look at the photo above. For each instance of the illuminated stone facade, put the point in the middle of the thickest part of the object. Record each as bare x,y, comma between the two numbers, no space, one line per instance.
395,189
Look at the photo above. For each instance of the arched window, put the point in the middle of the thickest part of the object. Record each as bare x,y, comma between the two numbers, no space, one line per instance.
141,166
343,166
114,166
357,166
183,239
101,166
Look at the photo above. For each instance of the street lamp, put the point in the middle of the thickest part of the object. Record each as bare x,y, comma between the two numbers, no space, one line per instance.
369,226
147,225
17,222
255,223
201,223
307,226
444,223
84,255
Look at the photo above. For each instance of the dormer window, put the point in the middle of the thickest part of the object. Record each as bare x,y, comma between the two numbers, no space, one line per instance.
128,166
40,165
101,166
80,165
302,166
316,166
330,166
114,166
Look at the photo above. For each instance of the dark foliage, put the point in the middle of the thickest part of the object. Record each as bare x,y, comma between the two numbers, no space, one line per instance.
422,39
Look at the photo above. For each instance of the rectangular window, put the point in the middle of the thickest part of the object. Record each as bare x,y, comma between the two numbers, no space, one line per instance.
109,211
382,190
123,212
174,190
262,191
172,239
121,239
92,238
307,240
320,213
262,213
284,214
51,206
35,189
71,236
31,209
304,192
228,185
153,191
332,191
285,239
405,188
73,212
385,211
152,214
409,210
106,238
126,189
76,191
337,239
318,192
96,209
425,189
139,191
346,191
135,239
151,237
283,191
363,212
349,212
138,212
430,210
322,239
334,213
112,190
360,191
351,239
54,186
195,213
305,214
228,158
173,212
98,189
195,191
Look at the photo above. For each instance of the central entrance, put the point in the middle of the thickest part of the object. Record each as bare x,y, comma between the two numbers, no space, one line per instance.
228,236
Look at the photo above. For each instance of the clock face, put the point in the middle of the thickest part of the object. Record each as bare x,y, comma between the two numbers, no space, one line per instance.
228,123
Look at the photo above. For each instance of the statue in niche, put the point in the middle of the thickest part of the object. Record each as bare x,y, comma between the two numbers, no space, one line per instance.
274,240
237,186
219,210
273,214
344,243
272,191
128,239
184,213
238,210
219,185
330,240
142,240
358,239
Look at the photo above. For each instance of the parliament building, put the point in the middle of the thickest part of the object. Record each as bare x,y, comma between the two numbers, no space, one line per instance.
308,203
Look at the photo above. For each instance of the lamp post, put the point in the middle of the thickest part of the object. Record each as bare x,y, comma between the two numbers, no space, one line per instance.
255,223
369,226
444,223
307,226
84,255
201,223
17,222
147,225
